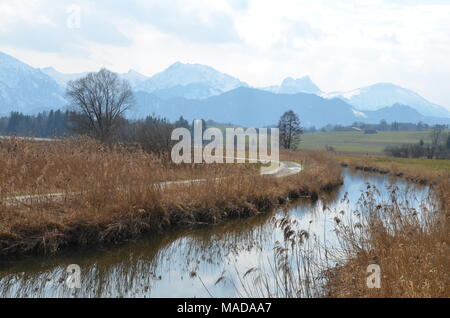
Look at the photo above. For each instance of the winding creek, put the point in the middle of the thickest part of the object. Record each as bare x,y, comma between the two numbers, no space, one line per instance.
189,263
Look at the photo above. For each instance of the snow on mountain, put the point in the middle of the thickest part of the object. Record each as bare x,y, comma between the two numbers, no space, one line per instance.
358,113
249,107
176,80
26,89
133,77
382,95
29,90
295,86
62,78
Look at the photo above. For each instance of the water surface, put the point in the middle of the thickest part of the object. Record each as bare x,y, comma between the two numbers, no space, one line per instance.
190,263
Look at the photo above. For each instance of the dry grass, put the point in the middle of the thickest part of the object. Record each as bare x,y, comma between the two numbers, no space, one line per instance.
410,246
112,195
414,256
416,170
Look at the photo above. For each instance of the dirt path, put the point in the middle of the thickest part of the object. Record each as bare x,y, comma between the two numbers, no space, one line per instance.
284,169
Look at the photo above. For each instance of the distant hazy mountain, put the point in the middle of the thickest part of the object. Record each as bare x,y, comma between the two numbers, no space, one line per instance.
135,78
250,107
62,78
295,86
383,95
191,91
401,113
193,81
197,91
25,89
132,76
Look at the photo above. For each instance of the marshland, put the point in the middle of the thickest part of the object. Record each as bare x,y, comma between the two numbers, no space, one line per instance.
235,234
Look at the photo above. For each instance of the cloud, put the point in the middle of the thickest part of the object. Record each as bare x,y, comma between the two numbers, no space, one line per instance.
302,29
341,44
194,21
240,5
389,38
48,30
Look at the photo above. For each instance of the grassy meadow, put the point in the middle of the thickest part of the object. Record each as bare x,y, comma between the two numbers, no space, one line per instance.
354,141
414,164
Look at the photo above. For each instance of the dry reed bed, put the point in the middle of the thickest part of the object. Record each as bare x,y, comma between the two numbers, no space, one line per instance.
414,256
30,167
117,198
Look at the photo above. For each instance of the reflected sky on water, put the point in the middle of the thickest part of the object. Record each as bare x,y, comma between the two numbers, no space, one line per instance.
189,263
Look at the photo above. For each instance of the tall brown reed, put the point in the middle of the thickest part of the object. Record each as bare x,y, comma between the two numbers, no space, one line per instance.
109,195
410,246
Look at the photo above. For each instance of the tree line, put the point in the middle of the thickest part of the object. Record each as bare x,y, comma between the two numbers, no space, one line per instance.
44,124
438,148
383,125
99,101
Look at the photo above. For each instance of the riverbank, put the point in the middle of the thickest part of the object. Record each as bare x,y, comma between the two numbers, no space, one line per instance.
117,199
413,256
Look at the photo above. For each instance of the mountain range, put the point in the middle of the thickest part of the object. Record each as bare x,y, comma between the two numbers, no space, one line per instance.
198,91
295,86
250,107
383,95
132,76
26,89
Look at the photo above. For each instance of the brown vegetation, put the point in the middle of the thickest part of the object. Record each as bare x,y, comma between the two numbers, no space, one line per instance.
414,256
109,195
410,246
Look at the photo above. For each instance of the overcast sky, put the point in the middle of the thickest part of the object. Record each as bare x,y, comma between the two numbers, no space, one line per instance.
342,45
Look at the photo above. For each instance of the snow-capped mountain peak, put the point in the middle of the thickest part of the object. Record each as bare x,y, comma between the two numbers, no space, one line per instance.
301,85
382,95
135,78
26,89
295,86
62,78
181,75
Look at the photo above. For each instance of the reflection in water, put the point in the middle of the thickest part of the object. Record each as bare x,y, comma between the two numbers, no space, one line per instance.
201,262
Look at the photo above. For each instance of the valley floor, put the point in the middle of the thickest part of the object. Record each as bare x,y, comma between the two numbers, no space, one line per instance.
359,142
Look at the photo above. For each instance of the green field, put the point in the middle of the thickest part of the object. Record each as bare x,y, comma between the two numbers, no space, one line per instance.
429,164
359,142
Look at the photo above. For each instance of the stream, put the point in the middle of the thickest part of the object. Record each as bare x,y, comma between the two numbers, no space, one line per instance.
201,262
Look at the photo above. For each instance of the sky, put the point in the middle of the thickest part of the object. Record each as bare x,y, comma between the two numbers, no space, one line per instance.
342,44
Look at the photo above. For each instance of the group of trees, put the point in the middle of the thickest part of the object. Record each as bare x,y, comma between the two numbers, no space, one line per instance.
152,134
99,102
102,98
383,125
437,148
45,124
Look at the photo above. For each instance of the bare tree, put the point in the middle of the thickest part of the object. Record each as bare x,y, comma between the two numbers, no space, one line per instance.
99,101
447,143
153,135
436,135
290,130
